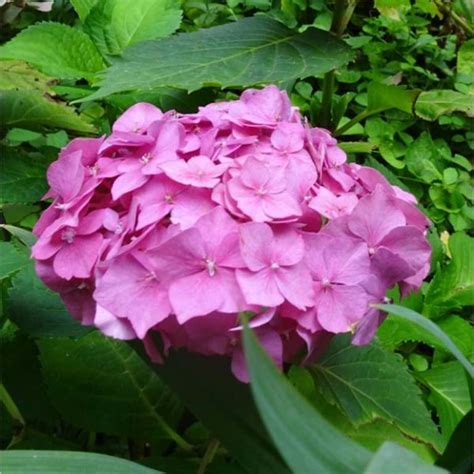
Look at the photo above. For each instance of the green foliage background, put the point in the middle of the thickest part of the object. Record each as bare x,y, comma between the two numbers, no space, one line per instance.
394,81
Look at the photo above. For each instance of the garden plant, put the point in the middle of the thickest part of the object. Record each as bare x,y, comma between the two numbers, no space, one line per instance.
236,236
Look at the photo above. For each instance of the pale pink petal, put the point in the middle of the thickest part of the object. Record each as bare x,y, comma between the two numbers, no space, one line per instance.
295,285
256,242
78,258
137,118
112,326
259,288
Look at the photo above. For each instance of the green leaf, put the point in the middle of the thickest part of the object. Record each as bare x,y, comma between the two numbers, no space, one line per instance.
70,462
382,97
55,49
432,328
250,51
20,135
100,384
22,235
224,405
20,75
305,439
367,382
393,458
392,8
12,259
449,394
446,199
457,456
421,160
83,7
453,285
465,60
432,104
115,25
19,372
30,109
395,331
22,179
42,312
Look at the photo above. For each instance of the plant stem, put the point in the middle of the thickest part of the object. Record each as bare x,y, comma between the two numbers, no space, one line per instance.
14,412
211,451
343,10
460,22
358,118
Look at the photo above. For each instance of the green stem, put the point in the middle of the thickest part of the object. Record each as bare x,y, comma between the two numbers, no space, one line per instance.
460,22
358,118
343,10
211,451
14,412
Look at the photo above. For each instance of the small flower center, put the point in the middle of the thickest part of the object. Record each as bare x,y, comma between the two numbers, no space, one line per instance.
211,266
168,198
68,235
119,228
371,250
261,191
93,169
274,266
325,282
146,158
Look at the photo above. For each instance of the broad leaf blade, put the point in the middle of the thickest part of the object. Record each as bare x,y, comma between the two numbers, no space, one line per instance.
431,327
42,313
305,439
12,259
30,109
71,462
120,395
432,104
56,49
393,458
449,394
224,405
382,97
115,25
367,382
250,51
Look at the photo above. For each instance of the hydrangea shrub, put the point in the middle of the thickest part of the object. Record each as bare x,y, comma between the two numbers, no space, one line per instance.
178,223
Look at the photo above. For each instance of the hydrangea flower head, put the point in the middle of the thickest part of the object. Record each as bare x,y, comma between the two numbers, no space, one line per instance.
177,223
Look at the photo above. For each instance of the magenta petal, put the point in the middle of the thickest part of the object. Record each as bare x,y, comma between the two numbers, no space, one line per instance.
374,217
112,326
340,306
259,288
78,258
256,241
295,285
66,175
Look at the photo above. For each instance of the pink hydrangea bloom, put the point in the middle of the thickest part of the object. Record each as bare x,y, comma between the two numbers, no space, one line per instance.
175,224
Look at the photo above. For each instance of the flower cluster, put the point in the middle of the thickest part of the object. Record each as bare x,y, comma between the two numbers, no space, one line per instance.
178,223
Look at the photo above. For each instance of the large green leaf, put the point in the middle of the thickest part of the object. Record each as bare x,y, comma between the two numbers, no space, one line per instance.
453,285
30,109
20,372
367,382
20,75
305,439
100,384
56,49
224,405
22,179
422,161
12,259
393,458
449,394
465,60
432,104
116,24
395,331
83,7
67,462
382,97
432,328
38,311
250,51
457,456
